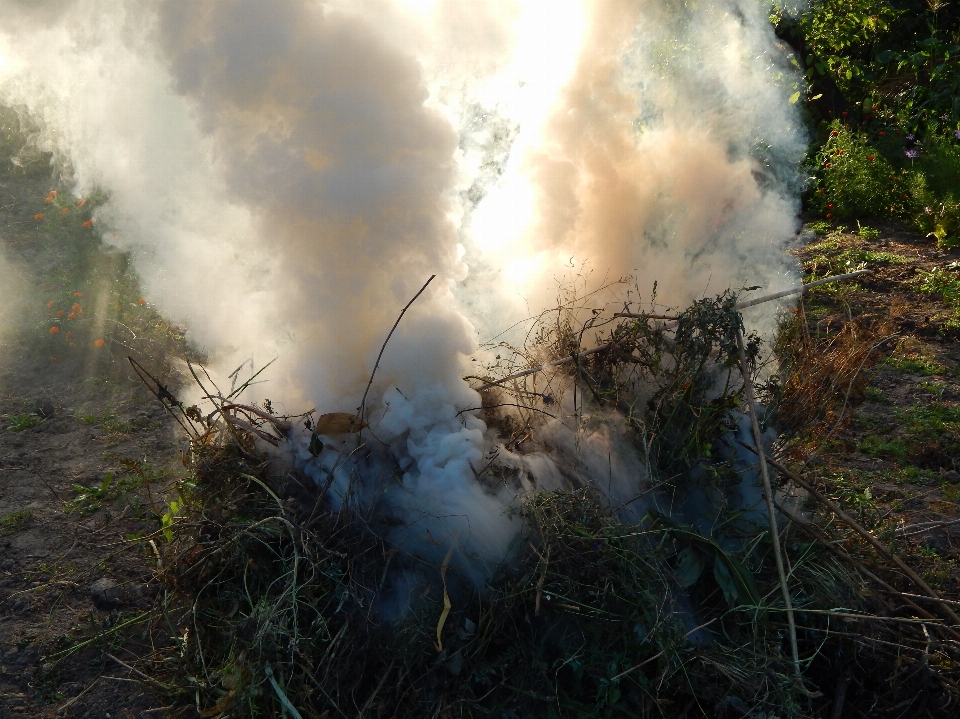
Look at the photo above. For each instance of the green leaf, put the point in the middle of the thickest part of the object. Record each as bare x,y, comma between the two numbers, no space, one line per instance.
747,590
105,485
689,567
794,97
731,592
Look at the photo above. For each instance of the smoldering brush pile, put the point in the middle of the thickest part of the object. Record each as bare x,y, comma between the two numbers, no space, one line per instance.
281,602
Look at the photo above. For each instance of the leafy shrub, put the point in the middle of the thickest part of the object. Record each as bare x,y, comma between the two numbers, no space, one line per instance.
852,179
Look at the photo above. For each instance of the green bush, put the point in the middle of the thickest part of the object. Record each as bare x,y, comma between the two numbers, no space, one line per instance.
852,179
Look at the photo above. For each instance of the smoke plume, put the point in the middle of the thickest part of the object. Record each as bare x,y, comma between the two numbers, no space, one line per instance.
287,174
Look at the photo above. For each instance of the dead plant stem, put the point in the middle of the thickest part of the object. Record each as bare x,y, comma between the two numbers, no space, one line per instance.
853,524
768,494
376,365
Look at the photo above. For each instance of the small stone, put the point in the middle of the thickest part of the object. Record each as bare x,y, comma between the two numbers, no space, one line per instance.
105,593
952,475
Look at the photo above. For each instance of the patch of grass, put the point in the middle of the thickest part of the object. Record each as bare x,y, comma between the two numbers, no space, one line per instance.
932,428
830,244
14,521
108,421
820,228
944,282
911,474
876,396
20,422
867,233
940,569
850,259
875,446
915,363
927,435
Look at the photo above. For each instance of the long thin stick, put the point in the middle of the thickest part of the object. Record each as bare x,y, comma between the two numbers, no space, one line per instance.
765,298
891,590
363,402
801,289
768,495
852,523
648,316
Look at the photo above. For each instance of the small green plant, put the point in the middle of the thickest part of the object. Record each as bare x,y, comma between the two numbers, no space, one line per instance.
934,388
876,396
108,421
166,520
820,228
941,281
20,422
89,499
867,233
14,521
853,491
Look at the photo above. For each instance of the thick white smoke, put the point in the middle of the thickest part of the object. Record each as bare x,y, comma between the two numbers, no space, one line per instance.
287,174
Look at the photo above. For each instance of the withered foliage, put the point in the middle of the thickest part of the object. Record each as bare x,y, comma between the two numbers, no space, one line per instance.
282,606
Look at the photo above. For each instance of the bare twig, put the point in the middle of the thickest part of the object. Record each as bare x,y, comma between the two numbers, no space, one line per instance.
363,402
802,289
922,527
830,546
768,495
281,425
152,682
48,486
855,526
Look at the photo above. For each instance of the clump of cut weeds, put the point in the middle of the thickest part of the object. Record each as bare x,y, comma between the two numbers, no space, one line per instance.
281,604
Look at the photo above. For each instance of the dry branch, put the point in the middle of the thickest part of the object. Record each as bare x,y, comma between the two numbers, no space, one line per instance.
768,495
766,298
855,526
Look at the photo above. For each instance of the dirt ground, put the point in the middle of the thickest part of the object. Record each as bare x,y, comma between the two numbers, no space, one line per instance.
893,457
79,492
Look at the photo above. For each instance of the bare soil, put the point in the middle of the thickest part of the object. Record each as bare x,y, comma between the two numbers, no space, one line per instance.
894,457
75,565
